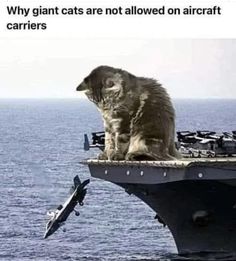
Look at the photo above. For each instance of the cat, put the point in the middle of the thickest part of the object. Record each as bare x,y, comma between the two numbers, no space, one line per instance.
138,114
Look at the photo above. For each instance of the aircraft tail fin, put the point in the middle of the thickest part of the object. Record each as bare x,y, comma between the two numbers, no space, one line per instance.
77,181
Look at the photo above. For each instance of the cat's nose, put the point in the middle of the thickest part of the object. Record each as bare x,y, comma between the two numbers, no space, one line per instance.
82,87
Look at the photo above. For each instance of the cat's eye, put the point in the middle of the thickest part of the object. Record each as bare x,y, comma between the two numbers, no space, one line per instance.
110,83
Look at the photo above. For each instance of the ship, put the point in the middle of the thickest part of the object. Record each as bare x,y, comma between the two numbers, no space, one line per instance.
195,197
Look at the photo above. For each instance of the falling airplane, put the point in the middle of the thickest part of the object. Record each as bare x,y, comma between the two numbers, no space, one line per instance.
60,215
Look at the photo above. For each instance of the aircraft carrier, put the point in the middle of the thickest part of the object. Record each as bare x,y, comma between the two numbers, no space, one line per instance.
194,197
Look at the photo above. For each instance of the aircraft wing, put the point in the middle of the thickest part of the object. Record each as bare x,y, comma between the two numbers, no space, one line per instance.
81,190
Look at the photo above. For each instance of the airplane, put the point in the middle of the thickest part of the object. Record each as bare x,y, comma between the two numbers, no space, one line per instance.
98,141
207,143
200,143
60,215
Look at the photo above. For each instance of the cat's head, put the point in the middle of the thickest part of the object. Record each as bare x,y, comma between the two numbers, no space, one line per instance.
103,82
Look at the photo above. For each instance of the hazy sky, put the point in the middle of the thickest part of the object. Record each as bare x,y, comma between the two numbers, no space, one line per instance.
53,68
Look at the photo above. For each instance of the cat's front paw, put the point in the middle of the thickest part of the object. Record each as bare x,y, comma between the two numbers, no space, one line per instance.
103,156
117,156
139,156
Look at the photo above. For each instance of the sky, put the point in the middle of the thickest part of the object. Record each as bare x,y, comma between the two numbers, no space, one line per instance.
53,67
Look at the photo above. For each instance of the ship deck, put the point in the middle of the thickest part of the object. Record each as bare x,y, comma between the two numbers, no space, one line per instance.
172,163
155,172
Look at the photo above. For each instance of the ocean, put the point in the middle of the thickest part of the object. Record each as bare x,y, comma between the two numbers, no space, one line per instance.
41,145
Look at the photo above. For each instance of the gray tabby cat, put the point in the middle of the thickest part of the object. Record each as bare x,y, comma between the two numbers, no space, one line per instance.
139,118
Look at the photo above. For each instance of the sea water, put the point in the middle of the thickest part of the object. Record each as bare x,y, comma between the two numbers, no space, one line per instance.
41,145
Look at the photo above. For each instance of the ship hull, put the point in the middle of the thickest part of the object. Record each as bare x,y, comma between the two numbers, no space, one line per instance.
195,200
200,215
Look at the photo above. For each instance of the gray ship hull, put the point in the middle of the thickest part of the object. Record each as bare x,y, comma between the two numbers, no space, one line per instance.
195,198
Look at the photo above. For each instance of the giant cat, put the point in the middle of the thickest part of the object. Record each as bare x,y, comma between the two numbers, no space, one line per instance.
138,114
